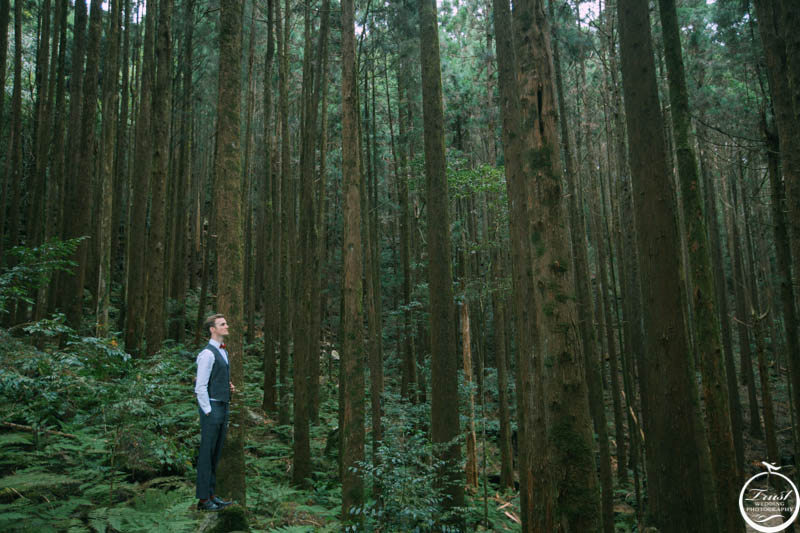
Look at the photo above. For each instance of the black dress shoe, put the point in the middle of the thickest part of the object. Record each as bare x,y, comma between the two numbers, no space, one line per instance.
220,502
208,505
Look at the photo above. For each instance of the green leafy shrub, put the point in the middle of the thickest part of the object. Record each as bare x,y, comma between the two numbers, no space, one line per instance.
34,268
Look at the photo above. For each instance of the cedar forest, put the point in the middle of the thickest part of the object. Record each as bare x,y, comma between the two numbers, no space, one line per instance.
488,266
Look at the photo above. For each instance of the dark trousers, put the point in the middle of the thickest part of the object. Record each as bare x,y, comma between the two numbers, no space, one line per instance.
213,428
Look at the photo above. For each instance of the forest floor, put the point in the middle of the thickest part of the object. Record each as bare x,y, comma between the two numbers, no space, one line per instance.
92,440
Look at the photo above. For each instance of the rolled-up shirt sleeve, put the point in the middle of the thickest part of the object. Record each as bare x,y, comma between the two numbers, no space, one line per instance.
205,360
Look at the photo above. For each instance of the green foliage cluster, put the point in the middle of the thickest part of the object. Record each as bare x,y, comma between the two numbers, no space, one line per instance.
84,423
33,268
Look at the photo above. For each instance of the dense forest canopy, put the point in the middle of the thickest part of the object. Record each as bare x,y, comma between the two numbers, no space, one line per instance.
486,265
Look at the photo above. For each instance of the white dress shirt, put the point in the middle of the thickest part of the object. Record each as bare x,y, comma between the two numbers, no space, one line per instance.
205,361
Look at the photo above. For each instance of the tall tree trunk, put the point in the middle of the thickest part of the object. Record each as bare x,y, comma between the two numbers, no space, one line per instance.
742,306
445,425
5,17
759,317
106,178
708,342
562,468
119,206
184,176
352,371
272,225
35,216
666,380
321,95
55,189
286,213
777,22
584,307
530,412
41,233
156,243
228,224
501,362
305,340
375,320
136,301
721,300
79,221
409,378
466,351
251,192
782,248
13,174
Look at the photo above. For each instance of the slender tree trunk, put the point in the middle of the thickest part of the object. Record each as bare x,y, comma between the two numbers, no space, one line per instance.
306,341
409,378
228,224
252,192
271,234
708,342
466,351
721,300
352,372
286,199
108,151
142,169
742,305
501,361
156,243
782,250
79,220
530,413
777,22
184,176
376,354
445,425
119,207
320,94
56,182
759,318
13,174
5,17
35,216
584,307
666,380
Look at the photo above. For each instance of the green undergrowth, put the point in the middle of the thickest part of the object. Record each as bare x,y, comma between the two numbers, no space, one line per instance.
93,440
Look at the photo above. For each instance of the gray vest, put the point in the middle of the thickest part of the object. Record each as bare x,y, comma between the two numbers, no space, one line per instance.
219,382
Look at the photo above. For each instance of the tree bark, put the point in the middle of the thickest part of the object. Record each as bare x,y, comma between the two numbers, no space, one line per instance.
584,306
109,137
80,216
136,301
352,371
445,425
286,212
671,439
708,342
272,225
228,224
156,242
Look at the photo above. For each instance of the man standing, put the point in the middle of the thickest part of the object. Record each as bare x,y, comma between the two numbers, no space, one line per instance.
213,389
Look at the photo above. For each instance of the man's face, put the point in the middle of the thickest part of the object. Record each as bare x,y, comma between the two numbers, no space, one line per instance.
220,327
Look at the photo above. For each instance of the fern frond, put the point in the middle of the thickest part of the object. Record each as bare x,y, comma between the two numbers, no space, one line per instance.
14,439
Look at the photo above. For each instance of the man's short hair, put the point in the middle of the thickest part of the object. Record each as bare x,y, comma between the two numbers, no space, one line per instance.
211,321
